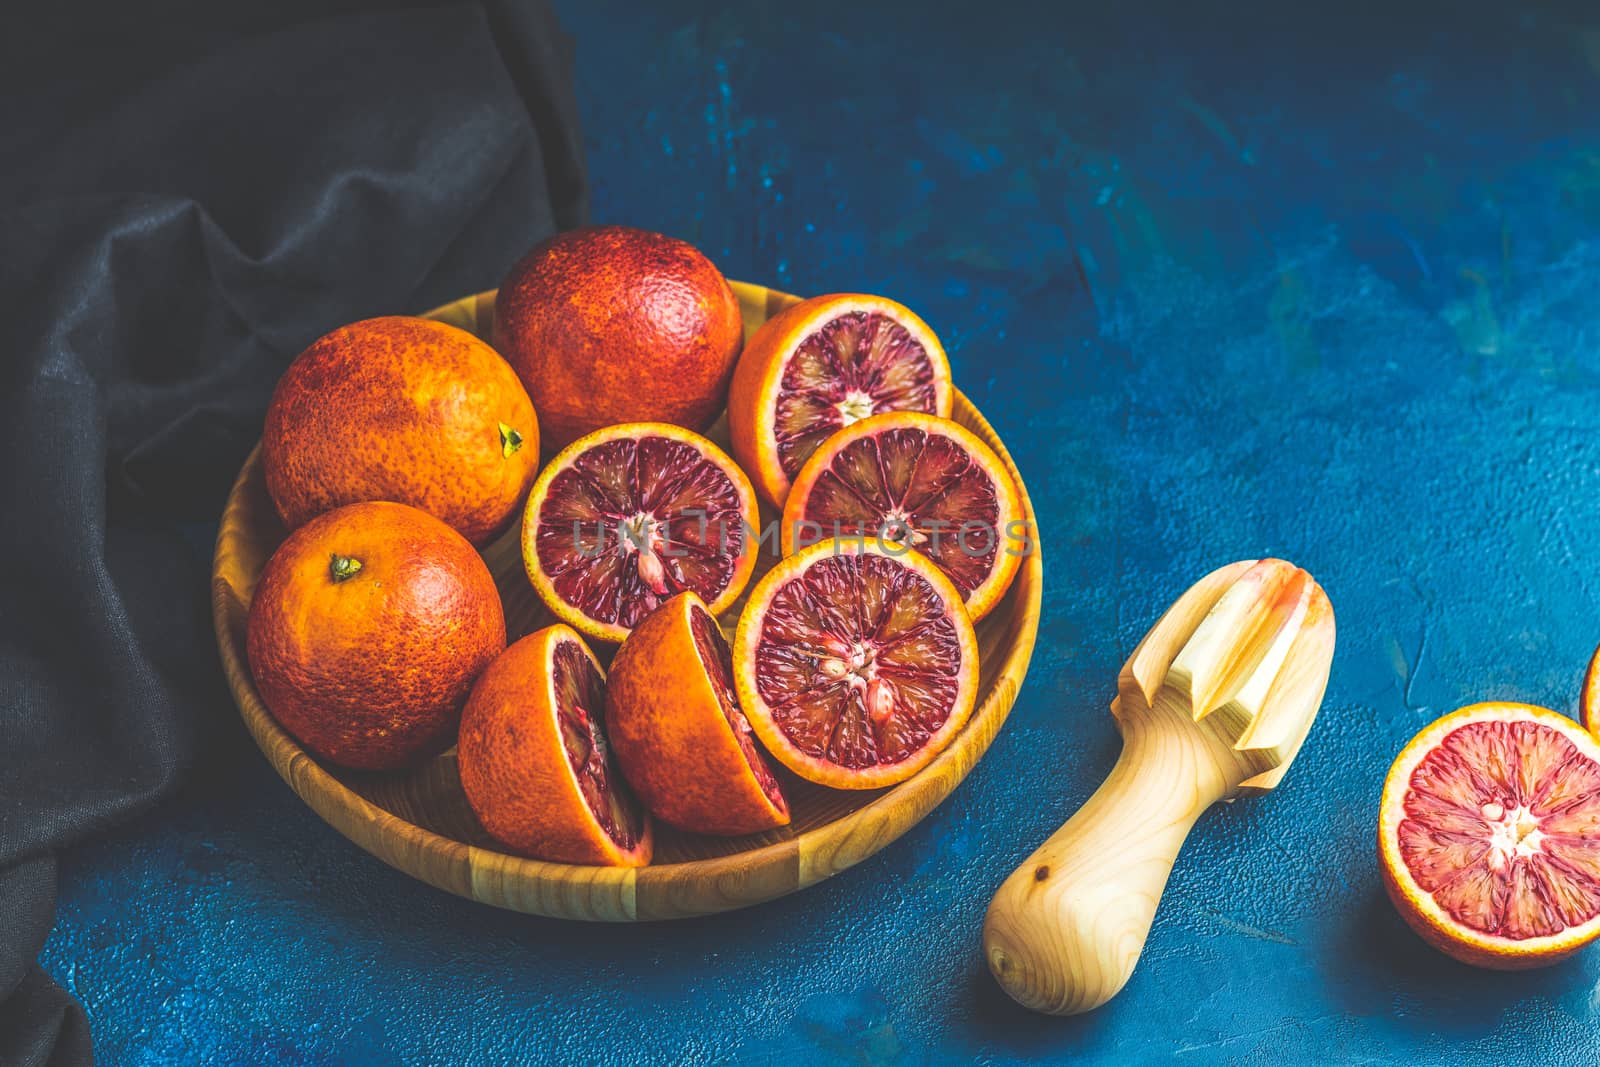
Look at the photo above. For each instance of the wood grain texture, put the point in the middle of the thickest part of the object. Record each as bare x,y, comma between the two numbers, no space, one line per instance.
419,821
1067,927
1248,647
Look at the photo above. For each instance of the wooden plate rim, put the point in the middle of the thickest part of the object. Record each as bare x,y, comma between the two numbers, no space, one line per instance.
879,822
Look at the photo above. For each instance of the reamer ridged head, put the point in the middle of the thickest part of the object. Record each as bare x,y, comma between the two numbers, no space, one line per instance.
1246,653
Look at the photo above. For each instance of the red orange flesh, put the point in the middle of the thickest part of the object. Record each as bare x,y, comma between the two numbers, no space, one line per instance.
856,667
628,517
823,365
923,482
1489,835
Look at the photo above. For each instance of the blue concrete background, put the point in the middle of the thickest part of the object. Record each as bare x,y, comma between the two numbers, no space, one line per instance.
1322,287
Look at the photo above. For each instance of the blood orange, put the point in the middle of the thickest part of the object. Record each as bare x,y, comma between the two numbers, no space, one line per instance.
534,760
922,482
609,324
1489,835
401,409
680,736
1589,700
367,629
855,666
822,365
628,517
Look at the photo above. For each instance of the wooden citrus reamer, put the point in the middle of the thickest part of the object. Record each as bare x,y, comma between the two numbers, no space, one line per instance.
1212,705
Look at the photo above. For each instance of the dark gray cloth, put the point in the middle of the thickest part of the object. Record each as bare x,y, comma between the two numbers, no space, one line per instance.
188,196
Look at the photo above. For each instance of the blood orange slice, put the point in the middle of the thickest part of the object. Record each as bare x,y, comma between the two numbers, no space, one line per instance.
920,482
1589,700
856,667
534,760
822,365
1489,835
681,738
628,517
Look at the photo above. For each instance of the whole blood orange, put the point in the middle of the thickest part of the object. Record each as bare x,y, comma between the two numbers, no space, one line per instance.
628,517
401,409
680,735
611,324
1489,835
921,482
856,667
824,364
534,760
366,631
1589,700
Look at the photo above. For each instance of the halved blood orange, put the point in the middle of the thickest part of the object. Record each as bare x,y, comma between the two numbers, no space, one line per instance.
1489,835
855,666
680,736
534,760
822,365
1589,699
921,482
629,516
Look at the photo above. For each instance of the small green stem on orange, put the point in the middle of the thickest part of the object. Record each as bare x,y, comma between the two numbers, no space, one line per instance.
510,441
341,568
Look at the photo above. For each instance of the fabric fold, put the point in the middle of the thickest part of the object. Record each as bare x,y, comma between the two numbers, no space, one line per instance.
194,196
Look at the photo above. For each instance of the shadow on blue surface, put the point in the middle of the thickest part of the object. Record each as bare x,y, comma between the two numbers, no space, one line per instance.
1315,285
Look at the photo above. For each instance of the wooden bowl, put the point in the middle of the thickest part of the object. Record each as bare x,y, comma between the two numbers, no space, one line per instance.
420,823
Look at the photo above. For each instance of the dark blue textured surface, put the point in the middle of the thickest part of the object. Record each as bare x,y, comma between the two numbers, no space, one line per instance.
1324,290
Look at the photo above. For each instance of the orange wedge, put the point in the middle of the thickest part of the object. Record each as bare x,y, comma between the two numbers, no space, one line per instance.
534,761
